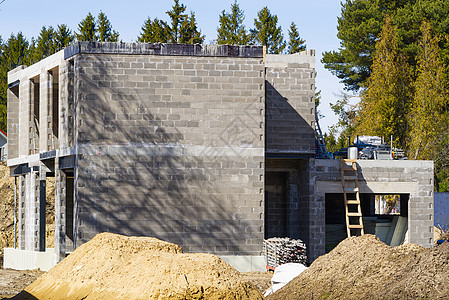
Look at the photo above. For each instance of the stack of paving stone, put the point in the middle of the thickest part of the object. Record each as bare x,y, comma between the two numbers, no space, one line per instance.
280,251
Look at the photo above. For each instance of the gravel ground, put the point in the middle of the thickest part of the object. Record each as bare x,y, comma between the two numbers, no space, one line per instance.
13,281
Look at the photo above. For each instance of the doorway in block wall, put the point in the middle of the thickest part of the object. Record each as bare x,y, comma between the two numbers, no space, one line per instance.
276,204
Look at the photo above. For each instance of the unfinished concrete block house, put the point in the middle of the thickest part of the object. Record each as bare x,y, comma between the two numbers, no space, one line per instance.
207,146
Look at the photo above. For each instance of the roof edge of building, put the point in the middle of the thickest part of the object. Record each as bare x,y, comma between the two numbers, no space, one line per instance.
163,49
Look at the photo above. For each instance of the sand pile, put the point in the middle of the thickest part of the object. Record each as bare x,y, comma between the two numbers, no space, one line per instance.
366,268
116,267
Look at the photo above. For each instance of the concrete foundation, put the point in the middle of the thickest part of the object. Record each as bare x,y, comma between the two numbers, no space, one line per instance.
28,260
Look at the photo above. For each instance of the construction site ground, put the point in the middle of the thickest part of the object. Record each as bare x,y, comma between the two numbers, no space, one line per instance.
358,268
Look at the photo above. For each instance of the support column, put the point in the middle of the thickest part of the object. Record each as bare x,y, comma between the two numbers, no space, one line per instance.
42,205
46,88
21,212
60,217
66,104
31,211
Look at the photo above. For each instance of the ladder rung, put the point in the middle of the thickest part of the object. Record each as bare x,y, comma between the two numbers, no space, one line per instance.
353,202
355,226
350,177
354,214
348,160
351,190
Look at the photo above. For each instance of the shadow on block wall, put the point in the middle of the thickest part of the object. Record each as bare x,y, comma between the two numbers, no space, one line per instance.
138,174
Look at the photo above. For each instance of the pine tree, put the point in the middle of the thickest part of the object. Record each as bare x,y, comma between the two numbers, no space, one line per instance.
104,29
183,29
156,31
177,17
385,104
87,29
14,52
428,116
189,33
45,44
295,43
231,30
266,32
63,37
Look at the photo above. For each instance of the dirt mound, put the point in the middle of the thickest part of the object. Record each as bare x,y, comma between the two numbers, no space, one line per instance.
111,266
365,268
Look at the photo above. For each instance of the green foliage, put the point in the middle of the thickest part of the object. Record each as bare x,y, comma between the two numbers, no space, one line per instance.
155,31
231,30
267,33
428,117
177,16
189,33
63,37
14,52
183,29
295,43
384,106
104,29
45,44
360,24
87,29
92,30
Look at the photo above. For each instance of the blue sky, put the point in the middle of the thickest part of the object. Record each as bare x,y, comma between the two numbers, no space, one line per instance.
316,21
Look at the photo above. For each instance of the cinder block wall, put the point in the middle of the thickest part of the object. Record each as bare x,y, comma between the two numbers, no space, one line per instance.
172,147
377,177
290,96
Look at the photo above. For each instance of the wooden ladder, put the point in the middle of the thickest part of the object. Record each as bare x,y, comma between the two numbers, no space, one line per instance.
350,185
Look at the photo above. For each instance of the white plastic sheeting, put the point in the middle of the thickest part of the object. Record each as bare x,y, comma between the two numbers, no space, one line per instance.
283,274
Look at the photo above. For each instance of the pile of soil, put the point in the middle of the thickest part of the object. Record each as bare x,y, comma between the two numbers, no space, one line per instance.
7,211
366,268
112,266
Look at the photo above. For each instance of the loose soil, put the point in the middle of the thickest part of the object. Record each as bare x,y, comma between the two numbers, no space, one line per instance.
111,266
14,281
366,268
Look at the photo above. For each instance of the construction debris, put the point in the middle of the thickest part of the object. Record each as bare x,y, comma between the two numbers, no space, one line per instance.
112,266
280,251
365,268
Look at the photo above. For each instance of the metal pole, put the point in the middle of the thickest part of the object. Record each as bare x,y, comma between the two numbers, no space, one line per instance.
15,208
391,147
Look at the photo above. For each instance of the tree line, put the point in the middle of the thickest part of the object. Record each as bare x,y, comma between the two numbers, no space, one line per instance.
181,28
395,55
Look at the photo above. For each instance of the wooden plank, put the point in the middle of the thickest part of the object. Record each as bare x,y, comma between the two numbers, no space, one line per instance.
348,160
354,226
354,214
353,202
